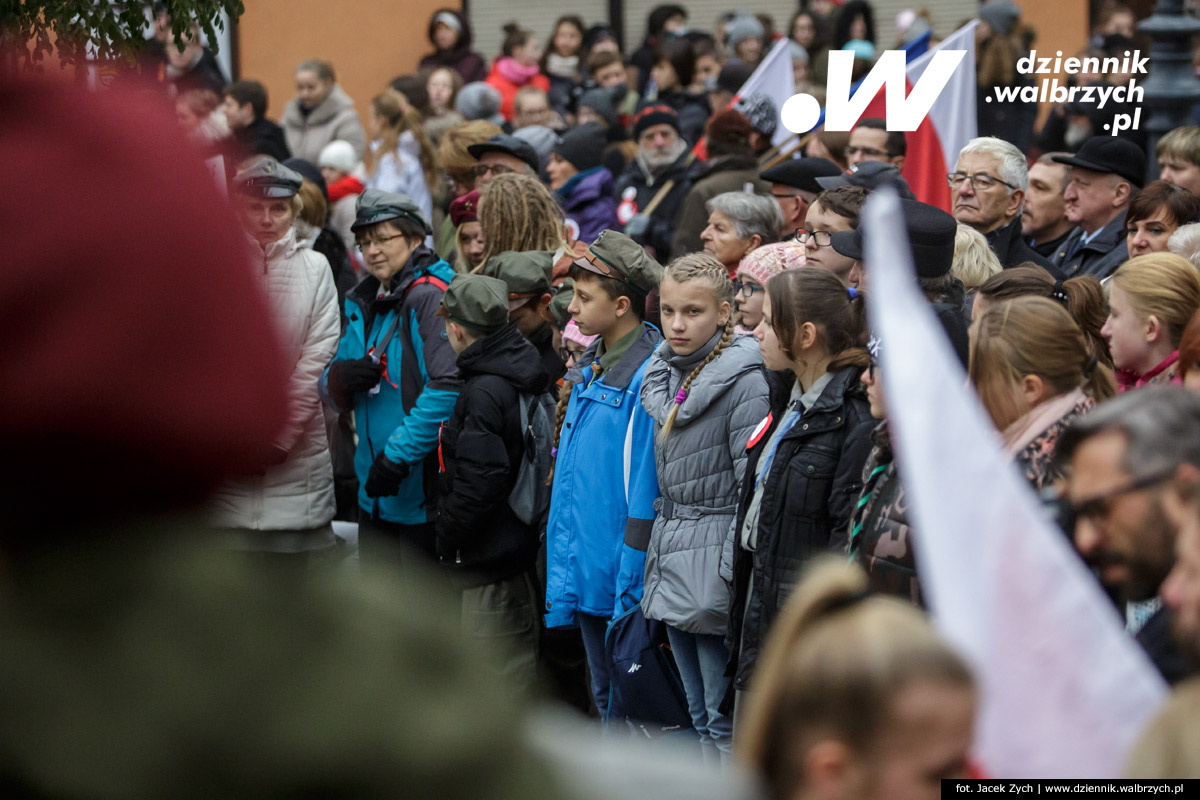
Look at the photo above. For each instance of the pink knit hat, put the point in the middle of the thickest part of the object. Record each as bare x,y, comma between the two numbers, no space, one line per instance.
571,333
771,259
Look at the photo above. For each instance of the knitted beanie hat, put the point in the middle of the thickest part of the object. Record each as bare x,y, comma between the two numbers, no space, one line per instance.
770,260
583,147
571,333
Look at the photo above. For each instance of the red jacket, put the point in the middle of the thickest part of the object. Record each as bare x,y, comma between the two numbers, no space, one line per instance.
508,89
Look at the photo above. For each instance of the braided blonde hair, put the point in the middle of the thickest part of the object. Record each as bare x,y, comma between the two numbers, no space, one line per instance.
564,398
700,266
517,212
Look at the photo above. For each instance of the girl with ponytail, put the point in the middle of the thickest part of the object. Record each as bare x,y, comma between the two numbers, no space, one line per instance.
401,158
706,389
856,696
805,462
1035,371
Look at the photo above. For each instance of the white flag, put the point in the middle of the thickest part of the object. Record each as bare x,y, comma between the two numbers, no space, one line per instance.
1064,691
774,78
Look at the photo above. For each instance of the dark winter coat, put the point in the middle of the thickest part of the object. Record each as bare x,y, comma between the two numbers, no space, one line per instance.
1100,257
479,453
1011,249
809,497
724,174
645,186
543,341
880,536
263,138
589,203
461,58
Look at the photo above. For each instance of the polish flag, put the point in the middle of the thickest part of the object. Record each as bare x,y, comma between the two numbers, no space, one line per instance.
1064,691
933,147
775,78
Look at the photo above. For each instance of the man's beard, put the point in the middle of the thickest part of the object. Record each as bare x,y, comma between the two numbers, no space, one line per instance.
661,157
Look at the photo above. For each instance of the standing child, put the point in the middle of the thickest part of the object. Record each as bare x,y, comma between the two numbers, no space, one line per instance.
706,389
489,549
602,506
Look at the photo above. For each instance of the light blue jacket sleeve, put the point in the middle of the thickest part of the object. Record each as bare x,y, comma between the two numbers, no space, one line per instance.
641,492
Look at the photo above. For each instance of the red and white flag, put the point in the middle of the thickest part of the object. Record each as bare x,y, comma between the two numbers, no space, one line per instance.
933,147
774,78
1064,691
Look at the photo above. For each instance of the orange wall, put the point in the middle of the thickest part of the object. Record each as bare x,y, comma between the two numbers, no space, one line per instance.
369,42
1060,26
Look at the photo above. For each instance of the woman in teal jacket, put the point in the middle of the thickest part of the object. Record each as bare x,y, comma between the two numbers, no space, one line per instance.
395,368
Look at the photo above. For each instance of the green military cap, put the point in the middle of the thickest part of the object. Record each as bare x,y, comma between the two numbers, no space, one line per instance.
615,255
526,273
476,301
562,299
376,205
268,179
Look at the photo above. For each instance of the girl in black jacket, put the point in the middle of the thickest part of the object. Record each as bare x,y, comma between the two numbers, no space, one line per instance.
804,471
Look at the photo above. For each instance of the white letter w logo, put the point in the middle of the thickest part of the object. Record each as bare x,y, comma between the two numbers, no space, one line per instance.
801,112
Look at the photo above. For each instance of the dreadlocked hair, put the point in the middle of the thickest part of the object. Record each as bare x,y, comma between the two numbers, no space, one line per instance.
517,212
564,397
699,266
399,115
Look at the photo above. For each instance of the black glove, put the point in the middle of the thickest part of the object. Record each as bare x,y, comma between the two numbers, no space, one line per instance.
385,476
348,377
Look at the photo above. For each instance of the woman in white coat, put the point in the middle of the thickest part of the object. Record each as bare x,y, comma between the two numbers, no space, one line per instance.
289,506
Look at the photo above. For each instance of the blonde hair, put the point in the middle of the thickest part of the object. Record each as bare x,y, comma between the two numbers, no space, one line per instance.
832,664
1032,336
974,261
1161,285
1169,748
517,212
452,151
312,204
698,266
399,116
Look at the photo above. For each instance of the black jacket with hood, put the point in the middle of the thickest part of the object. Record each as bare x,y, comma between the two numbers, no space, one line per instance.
461,58
479,452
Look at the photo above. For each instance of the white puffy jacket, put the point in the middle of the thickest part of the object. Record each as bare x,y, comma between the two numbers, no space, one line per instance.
297,494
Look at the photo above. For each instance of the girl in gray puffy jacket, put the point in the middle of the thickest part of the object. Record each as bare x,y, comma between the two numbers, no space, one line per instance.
706,390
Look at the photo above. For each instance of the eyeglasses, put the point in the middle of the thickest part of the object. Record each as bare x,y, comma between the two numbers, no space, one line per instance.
364,245
1100,507
867,151
822,238
746,290
479,170
568,355
980,181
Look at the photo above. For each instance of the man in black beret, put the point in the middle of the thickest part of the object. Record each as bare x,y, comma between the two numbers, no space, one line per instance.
794,186
503,153
1105,175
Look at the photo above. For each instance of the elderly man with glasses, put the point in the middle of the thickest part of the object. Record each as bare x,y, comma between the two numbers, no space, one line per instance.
1121,460
500,154
988,192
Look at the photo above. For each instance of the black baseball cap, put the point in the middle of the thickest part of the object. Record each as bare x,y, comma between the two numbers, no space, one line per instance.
870,175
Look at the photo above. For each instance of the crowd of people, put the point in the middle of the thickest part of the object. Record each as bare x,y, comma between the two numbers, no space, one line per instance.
571,333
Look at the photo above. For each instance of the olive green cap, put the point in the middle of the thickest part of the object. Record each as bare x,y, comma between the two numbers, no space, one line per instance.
562,299
615,255
527,274
477,301
268,179
376,205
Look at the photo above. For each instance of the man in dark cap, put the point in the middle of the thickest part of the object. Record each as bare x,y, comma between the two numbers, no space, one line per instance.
651,189
503,153
527,275
794,186
729,80
487,547
395,369
870,175
931,234
1105,175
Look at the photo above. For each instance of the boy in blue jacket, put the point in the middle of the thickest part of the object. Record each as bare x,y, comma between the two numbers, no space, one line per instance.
605,485
395,368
